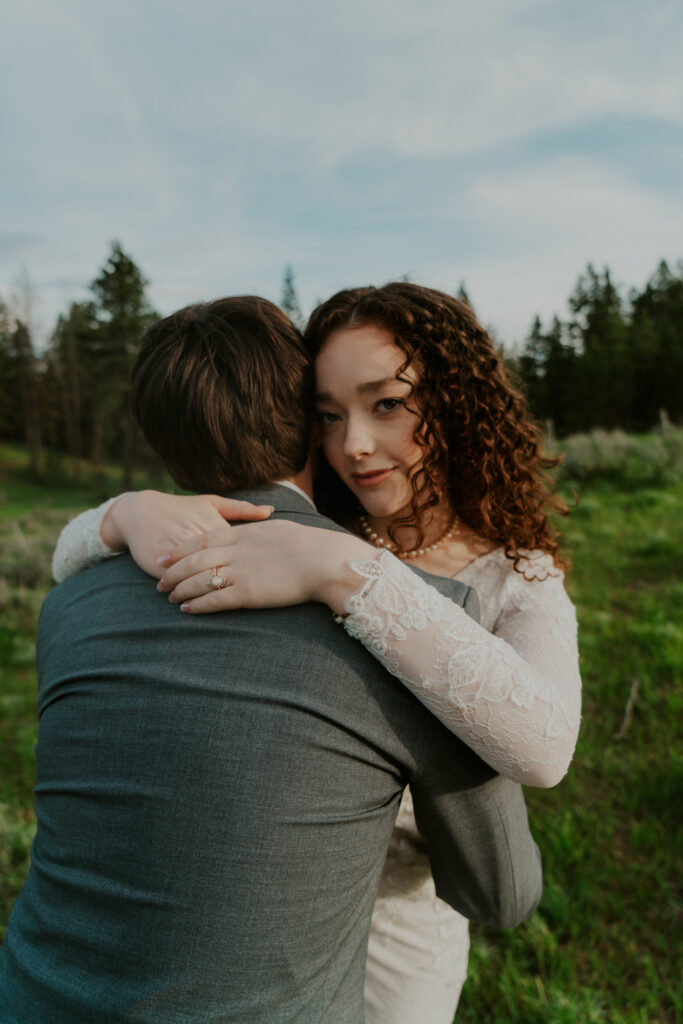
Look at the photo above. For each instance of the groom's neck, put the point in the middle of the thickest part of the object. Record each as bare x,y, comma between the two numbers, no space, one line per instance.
304,480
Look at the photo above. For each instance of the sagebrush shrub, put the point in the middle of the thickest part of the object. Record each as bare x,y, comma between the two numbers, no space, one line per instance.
614,455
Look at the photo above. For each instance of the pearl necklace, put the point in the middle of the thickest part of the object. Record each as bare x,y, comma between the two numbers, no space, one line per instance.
389,545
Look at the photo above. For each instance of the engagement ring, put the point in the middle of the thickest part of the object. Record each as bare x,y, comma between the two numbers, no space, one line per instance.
216,580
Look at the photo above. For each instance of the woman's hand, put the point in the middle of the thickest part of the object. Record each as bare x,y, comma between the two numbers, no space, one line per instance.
150,523
266,565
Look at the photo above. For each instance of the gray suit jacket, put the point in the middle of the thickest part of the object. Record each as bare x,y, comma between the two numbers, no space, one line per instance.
215,796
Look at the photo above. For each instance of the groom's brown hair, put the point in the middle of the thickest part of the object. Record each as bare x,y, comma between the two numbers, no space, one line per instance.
223,392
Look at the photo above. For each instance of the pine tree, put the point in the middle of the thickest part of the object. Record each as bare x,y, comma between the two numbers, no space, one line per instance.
548,369
123,314
531,368
656,339
562,381
599,328
73,354
290,301
462,296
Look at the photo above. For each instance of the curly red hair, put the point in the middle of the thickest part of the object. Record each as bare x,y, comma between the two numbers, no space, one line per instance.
475,426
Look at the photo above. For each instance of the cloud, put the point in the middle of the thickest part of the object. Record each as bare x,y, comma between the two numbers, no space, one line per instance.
17,246
220,141
434,80
546,222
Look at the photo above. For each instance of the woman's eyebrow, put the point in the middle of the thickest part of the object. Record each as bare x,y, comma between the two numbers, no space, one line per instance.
376,385
371,385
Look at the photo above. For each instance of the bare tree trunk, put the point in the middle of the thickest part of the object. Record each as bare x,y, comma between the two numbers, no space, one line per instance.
33,439
128,457
664,421
24,303
73,419
97,436
29,393
72,428
550,432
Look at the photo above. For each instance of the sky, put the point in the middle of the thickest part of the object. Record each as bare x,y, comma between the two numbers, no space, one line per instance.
503,143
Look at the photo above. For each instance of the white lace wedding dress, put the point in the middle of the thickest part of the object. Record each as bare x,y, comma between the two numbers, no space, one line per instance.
508,687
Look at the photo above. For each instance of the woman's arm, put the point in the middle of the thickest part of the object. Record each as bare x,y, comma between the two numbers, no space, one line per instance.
147,523
513,697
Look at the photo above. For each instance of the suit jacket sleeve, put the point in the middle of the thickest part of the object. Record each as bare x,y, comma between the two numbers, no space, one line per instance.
484,860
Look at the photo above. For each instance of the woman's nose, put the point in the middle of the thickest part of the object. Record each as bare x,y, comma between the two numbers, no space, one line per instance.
358,440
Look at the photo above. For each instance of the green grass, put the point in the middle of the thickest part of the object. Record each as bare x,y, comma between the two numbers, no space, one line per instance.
21,493
604,946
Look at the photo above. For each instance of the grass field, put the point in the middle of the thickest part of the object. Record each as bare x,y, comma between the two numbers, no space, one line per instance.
605,946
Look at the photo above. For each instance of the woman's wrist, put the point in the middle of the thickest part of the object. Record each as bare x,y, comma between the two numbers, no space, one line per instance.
112,531
337,581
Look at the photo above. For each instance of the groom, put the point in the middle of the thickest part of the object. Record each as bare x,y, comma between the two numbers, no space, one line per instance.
216,793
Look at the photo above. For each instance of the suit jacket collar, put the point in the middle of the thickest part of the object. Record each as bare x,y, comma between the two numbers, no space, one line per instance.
284,499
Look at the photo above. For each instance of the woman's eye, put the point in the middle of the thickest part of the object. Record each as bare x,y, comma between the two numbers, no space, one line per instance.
389,404
327,417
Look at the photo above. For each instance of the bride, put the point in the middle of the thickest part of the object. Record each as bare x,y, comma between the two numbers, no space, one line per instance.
429,456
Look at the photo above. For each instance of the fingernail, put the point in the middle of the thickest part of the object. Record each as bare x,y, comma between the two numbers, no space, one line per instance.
172,597
185,607
161,587
266,508
163,559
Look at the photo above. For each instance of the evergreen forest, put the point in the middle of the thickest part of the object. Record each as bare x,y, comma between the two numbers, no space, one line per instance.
615,361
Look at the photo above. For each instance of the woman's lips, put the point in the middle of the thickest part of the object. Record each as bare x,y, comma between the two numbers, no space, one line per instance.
373,478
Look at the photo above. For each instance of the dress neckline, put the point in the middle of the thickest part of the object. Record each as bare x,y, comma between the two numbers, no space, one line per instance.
473,561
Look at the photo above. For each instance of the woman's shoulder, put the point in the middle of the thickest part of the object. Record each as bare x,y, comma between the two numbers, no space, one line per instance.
532,565
537,588
503,586
535,565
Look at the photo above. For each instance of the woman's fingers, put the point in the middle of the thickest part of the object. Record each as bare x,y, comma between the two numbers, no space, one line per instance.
231,508
200,584
194,595
220,601
205,532
200,542
201,561
268,565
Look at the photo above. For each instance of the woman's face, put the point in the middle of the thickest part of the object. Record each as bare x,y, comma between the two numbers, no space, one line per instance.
366,419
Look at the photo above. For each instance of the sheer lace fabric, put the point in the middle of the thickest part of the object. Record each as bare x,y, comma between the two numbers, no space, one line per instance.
418,949
80,545
510,689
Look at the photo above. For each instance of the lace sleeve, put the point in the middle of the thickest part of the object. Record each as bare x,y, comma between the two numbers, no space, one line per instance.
80,545
514,697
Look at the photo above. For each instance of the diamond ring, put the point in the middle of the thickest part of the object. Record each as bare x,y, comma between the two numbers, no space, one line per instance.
216,580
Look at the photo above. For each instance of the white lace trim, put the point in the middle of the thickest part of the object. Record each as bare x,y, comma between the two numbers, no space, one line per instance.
80,544
514,697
